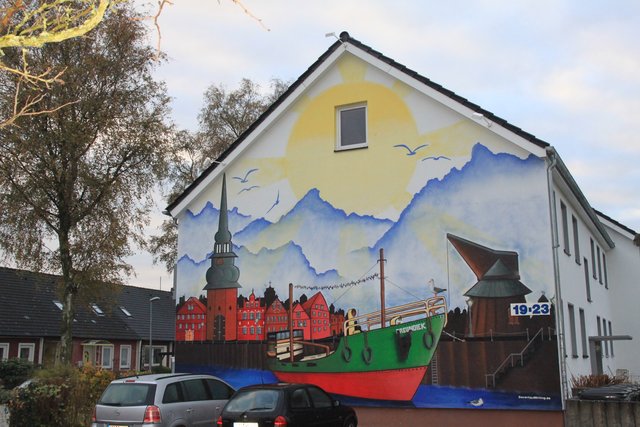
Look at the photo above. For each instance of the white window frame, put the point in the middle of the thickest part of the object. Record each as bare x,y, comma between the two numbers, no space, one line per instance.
128,358
5,351
106,362
145,354
32,350
339,110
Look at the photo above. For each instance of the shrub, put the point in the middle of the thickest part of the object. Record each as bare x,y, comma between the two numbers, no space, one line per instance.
14,372
59,396
589,381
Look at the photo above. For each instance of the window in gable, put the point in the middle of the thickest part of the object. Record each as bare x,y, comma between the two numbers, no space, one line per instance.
125,311
351,126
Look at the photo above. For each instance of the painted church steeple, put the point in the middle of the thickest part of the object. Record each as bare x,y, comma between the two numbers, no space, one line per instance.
223,273
222,280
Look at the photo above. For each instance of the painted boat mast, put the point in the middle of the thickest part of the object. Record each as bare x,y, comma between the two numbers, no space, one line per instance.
291,352
382,302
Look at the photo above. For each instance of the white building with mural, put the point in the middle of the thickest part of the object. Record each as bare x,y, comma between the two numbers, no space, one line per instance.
362,154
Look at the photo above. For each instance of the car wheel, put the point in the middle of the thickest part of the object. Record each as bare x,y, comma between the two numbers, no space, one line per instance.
350,422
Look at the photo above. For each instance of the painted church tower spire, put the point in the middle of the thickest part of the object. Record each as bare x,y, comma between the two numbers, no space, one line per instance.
222,280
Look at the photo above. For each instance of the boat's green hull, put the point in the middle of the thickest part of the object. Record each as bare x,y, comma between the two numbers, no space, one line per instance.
405,346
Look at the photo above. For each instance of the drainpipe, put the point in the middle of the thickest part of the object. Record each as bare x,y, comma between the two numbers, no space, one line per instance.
562,363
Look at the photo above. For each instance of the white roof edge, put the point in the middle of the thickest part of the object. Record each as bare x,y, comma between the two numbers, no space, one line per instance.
346,46
284,106
448,102
615,227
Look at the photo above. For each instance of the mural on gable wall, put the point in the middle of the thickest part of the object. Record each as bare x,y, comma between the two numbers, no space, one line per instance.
460,214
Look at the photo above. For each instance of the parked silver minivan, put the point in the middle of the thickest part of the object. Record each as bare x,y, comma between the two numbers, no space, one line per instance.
162,400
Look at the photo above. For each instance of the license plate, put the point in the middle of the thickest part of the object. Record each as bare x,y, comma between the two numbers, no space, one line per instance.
116,425
245,424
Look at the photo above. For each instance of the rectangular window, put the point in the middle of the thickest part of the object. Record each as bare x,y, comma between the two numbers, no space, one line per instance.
4,351
555,214
576,239
583,334
107,357
351,126
587,279
599,266
604,267
572,326
604,332
155,355
125,357
565,228
26,351
599,327
593,259
610,342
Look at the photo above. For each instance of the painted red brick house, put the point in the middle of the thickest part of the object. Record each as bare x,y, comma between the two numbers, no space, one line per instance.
336,323
318,312
191,321
301,321
277,317
251,319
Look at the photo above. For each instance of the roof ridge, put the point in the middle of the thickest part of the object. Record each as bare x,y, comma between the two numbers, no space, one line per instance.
345,37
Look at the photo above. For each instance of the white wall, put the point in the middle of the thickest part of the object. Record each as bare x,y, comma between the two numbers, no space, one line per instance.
624,282
574,288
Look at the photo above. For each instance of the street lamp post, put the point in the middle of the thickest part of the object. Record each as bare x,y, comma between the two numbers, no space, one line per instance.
151,300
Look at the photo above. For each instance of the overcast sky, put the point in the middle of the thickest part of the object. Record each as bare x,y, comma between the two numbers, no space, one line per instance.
567,72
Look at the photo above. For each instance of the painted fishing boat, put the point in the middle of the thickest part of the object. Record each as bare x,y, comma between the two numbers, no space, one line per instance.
382,355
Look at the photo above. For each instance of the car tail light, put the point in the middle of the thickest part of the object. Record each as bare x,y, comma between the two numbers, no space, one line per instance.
219,422
152,415
280,421
93,415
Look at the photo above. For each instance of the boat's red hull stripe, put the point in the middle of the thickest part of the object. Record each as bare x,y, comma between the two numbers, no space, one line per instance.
397,384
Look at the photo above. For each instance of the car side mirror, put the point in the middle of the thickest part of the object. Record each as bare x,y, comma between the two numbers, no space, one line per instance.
336,403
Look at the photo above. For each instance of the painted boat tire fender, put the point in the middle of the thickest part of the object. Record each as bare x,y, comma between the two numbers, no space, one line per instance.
367,355
346,354
428,339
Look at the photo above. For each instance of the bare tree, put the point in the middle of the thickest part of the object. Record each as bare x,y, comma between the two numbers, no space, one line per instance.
75,184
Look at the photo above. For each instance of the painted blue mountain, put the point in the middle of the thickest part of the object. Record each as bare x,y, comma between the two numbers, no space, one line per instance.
317,244
278,267
471,203
327,234
197,231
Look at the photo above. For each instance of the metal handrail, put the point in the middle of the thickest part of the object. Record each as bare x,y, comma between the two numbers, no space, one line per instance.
510,357
430,307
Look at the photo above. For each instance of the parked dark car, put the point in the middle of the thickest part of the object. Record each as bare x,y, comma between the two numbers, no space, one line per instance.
625,392
162,400
285,405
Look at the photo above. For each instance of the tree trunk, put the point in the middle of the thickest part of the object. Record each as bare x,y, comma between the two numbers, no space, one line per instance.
70,290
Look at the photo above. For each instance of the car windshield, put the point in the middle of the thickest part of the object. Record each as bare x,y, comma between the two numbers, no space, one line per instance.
128,394
254,400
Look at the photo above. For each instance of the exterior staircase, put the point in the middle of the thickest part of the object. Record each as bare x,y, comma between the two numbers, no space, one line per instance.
514,360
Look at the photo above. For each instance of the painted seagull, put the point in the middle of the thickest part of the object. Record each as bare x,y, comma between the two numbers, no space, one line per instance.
436,290
275,203
477,402
410,151
436,158
246,175
249,188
